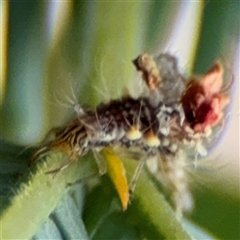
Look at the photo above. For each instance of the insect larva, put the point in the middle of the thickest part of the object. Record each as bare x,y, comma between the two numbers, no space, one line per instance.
173,118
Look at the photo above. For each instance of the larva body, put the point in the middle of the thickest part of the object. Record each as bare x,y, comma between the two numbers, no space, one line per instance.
171,122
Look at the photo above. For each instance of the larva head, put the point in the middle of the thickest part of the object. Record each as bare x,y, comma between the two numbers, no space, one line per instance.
203,101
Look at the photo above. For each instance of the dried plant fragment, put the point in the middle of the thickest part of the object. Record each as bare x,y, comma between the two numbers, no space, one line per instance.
162,77
149,69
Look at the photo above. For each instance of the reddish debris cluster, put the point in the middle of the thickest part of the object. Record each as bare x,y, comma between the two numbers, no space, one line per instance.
203,101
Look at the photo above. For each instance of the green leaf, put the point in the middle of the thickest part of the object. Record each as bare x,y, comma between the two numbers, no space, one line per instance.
92,43
149,212
65,222
36,194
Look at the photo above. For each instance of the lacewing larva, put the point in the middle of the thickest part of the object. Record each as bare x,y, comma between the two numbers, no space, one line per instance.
172,120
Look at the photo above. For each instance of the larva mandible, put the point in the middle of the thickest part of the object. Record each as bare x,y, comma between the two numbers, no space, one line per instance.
171,121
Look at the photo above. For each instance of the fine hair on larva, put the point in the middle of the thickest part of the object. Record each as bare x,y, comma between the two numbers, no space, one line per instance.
172,122
100,64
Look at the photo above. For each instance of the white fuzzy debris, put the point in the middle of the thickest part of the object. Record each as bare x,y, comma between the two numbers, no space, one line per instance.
164,131
201,150
173,147
165,142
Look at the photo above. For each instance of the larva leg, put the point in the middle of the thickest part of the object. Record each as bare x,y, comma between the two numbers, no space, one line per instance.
40,153
43,150
100,162
136,175
70,160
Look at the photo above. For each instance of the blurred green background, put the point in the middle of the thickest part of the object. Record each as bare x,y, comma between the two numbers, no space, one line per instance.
55,51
